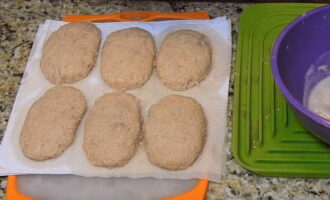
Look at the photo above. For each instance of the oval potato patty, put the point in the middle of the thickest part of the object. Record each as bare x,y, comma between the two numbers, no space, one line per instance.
127,58
70,53
175,132
184,59
112,130
51,123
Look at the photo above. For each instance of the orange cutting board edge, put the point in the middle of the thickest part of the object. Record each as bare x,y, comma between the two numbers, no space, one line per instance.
199,191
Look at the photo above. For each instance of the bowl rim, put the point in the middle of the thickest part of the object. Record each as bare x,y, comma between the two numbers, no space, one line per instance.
280,83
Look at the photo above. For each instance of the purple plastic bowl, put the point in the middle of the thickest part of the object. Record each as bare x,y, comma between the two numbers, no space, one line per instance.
295,49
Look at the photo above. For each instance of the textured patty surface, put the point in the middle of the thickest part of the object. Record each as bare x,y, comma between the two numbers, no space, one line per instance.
70,52
127,58
175,132
112,130
184,59
51,123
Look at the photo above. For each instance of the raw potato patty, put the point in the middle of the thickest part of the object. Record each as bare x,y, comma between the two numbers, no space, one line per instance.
184,59
51,123
175,132
70,52
127,58
112,130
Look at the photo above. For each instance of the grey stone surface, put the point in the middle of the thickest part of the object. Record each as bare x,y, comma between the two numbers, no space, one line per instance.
19,21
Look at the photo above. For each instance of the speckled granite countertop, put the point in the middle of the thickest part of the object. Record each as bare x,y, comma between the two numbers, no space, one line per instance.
19,21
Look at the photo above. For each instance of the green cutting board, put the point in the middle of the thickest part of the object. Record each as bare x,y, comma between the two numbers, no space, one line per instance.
267,137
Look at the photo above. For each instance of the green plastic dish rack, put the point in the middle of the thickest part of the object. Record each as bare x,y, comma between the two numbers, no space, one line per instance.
267,137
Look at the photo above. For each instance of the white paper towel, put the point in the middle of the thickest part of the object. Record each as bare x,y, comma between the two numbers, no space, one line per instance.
211,94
